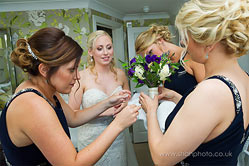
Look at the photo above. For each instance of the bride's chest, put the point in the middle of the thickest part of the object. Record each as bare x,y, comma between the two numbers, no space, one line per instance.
106,85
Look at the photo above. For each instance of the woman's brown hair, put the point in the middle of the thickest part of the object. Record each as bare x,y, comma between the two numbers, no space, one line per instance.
49,46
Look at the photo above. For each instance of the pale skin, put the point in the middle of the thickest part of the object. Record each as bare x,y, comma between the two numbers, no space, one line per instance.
106,81
40,124
197,115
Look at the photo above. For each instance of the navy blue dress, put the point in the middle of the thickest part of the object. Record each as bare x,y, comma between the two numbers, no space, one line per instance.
181,81
27,155
225,148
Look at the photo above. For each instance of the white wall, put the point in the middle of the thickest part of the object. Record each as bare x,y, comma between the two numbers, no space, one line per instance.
244,62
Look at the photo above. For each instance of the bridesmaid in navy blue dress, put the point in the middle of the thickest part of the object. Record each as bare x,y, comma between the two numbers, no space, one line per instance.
157,40
34,123
209,125
181,81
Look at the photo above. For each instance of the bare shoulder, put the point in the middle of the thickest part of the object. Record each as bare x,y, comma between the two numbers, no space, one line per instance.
208,104
84,75
211,91
32,106
120,72
121,75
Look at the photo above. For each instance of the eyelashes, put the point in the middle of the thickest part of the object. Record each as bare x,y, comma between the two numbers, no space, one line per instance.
101,48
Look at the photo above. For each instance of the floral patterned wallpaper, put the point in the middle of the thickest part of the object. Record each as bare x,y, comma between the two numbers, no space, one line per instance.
76,23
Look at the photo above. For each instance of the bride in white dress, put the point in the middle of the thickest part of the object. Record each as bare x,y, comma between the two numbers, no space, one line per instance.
116,154
99,81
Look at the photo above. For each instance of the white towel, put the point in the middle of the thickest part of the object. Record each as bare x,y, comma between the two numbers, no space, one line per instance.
163,111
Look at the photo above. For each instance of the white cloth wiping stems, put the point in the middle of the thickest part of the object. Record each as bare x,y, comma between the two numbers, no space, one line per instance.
163,111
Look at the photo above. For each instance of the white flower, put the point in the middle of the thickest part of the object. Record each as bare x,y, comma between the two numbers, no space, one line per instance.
64,28
83,31
164,73
37,17
139,71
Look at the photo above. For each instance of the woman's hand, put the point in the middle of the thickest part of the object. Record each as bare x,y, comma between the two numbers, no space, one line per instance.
113,111
167,94
119,108
119,98
147,103
127,116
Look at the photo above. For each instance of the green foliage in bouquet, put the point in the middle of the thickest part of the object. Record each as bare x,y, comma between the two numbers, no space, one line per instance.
150,70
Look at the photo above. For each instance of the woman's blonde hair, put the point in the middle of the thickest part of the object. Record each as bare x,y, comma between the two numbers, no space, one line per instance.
91,44
209,22
151,36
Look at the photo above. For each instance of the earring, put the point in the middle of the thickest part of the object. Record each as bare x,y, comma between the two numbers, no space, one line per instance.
206,55
91,59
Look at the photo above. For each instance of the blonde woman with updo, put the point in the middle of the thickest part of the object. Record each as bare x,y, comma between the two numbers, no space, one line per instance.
209,125
157,40
98,81
34,123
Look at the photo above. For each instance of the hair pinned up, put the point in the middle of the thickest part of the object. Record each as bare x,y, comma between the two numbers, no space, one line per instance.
49,46
208,22
150,36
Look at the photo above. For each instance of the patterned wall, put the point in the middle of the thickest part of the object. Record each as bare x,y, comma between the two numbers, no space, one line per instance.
76,23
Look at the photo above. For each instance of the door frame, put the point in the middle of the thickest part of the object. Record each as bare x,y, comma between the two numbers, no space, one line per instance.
117,36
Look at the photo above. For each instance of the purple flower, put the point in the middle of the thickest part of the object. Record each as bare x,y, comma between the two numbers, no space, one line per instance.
158,59
133,60
140,81
153,58
131,72
148,58
146,67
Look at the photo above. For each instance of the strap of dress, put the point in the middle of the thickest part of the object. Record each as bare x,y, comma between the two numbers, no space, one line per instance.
28,90
237,101
234,90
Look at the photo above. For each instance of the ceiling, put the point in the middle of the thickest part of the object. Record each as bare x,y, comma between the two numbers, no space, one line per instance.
123,7
136,6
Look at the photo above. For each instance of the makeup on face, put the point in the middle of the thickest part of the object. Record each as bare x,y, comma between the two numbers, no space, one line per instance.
103,50
65,77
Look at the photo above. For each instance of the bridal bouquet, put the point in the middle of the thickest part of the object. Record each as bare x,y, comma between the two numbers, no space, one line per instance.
150,70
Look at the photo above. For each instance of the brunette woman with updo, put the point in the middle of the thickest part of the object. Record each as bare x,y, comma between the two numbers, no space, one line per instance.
34,122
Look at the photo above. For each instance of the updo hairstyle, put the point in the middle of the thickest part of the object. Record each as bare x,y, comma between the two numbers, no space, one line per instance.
50,46
151,36
209,22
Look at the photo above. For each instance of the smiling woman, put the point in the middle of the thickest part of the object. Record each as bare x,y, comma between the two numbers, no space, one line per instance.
34,123
98,81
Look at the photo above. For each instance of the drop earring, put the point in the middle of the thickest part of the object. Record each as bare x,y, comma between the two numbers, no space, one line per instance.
91,59
206,55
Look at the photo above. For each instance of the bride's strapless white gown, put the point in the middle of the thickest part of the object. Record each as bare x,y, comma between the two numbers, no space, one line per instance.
116,155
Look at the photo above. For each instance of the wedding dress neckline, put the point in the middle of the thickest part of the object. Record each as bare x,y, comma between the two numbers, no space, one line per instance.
97,89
